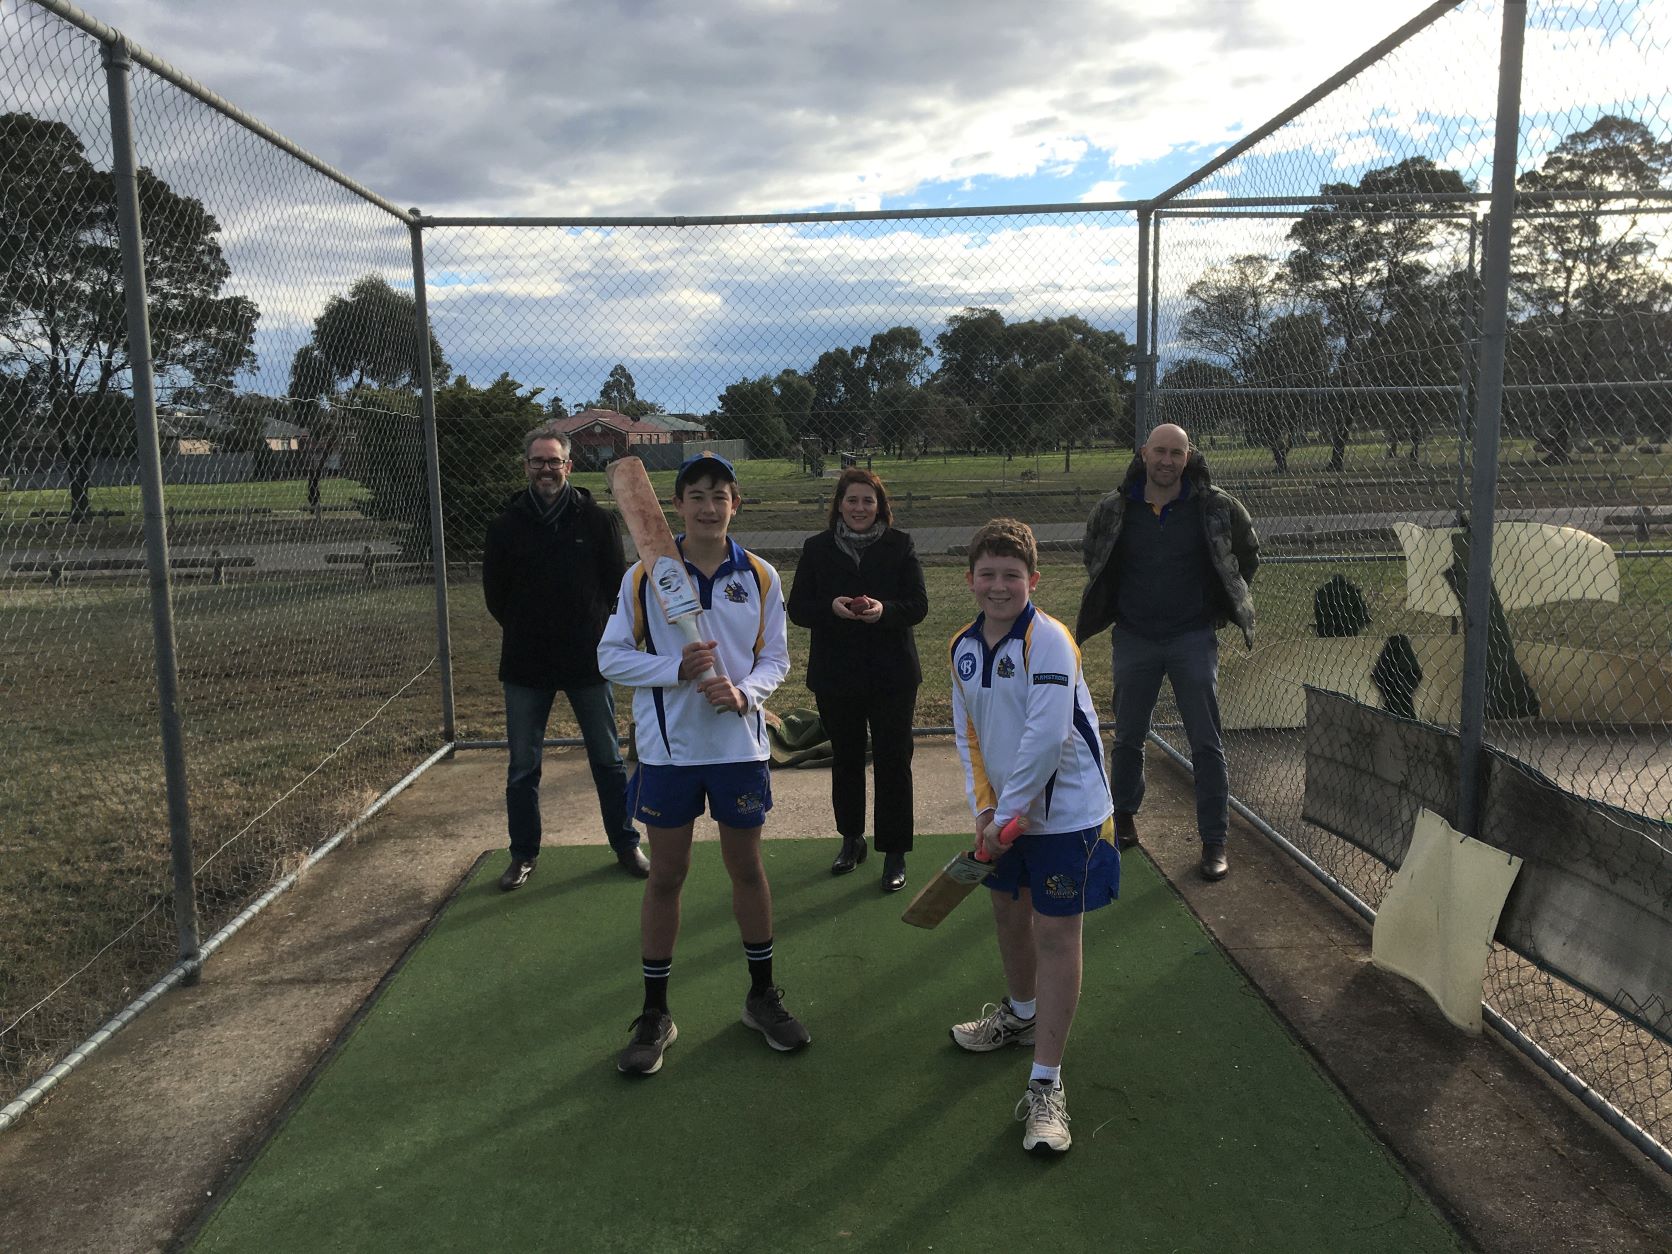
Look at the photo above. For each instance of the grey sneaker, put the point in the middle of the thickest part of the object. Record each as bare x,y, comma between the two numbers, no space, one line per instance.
1044,1109
653,1032
999,1026
763,1010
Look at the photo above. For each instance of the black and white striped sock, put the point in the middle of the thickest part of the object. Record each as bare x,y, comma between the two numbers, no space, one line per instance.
656,973
759,954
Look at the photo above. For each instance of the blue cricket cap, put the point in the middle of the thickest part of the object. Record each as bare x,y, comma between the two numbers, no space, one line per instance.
703,462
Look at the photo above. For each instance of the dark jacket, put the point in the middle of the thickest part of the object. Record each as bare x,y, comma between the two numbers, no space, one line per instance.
876,655
551,590
1233,547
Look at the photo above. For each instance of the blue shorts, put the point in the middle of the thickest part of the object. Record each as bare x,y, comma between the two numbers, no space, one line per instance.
739,793
1065,872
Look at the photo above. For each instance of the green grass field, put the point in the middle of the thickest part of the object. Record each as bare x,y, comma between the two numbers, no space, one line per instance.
964,489
476,1106
1283,593
287,494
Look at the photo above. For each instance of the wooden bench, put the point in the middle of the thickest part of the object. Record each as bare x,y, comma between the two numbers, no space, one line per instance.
58,568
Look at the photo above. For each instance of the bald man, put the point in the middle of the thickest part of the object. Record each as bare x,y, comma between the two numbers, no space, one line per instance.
1169,558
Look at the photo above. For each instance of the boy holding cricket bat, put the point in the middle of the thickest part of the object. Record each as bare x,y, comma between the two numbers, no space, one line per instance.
1029,741
702,740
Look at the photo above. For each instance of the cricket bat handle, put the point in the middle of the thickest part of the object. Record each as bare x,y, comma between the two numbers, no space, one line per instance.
688,628
1007,836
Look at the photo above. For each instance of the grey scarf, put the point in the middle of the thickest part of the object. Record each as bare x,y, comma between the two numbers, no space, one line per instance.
854,543
552,515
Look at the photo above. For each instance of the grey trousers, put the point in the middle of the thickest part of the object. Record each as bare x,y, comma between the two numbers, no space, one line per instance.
1191,663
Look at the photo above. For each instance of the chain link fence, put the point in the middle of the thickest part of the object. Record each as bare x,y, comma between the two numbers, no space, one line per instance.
1313,309
1319,307
306,670
979,363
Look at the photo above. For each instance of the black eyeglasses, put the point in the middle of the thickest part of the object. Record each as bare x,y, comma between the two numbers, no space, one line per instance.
547,463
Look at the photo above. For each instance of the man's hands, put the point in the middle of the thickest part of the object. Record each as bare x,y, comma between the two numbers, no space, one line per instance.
857,609
721,693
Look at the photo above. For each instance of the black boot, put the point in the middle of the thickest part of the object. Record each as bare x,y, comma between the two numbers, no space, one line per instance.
893,872
854,851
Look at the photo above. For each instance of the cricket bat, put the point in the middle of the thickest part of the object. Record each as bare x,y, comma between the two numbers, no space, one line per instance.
956,880
641,511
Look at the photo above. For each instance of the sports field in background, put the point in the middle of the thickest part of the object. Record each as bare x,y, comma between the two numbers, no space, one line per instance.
477,1106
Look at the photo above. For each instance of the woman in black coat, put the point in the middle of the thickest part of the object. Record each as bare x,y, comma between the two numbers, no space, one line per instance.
859,591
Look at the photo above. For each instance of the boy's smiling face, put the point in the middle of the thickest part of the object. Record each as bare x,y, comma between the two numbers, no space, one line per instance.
1002,586
706,507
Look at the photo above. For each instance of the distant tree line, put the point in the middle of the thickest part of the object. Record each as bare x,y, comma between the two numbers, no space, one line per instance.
1363,323
1368,297
1019,387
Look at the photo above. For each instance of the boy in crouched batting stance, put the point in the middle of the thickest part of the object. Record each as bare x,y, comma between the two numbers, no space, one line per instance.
702,741
1029,741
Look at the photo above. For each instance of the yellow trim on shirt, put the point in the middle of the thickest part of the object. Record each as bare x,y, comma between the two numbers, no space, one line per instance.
641,629
985,794
763,586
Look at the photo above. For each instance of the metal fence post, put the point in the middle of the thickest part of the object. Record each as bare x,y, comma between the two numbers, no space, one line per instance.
1469,366
1141,354
1154,358
432,472
1489,397
123,174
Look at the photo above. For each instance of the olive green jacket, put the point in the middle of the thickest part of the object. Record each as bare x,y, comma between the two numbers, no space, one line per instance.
1233,546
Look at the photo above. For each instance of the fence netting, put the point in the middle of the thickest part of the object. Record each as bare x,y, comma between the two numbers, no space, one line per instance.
1310,312
1319,304
306,648
980,365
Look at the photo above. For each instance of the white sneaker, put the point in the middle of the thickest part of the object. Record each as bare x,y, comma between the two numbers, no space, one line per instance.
998,1026
1044,1108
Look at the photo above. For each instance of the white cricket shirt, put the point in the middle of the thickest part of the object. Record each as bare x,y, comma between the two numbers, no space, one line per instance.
743,610
1027,732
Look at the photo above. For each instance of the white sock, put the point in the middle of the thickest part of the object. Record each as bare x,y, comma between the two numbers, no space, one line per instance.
1046,1075
1022,1009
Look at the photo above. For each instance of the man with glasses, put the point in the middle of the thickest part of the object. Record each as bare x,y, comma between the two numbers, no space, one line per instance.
550,570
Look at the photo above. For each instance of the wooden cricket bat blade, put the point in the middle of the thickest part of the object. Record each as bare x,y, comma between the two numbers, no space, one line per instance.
956,880
942,895
641,512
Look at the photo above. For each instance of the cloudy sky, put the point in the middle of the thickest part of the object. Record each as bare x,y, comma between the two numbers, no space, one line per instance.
650,107
734,106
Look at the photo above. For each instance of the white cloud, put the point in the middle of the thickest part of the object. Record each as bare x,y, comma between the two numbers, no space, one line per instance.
1104,190
736,105
690,310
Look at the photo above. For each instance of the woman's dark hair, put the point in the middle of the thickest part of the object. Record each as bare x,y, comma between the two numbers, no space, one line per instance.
854,475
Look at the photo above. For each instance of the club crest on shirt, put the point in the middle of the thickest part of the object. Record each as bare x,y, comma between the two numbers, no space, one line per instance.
966,666
1062,887
1006,668
735,593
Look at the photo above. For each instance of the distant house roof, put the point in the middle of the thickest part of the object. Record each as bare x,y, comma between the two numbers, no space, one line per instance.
673,422
279,429
589,418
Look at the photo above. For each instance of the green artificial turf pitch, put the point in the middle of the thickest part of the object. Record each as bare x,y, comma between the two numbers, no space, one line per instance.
477,1105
